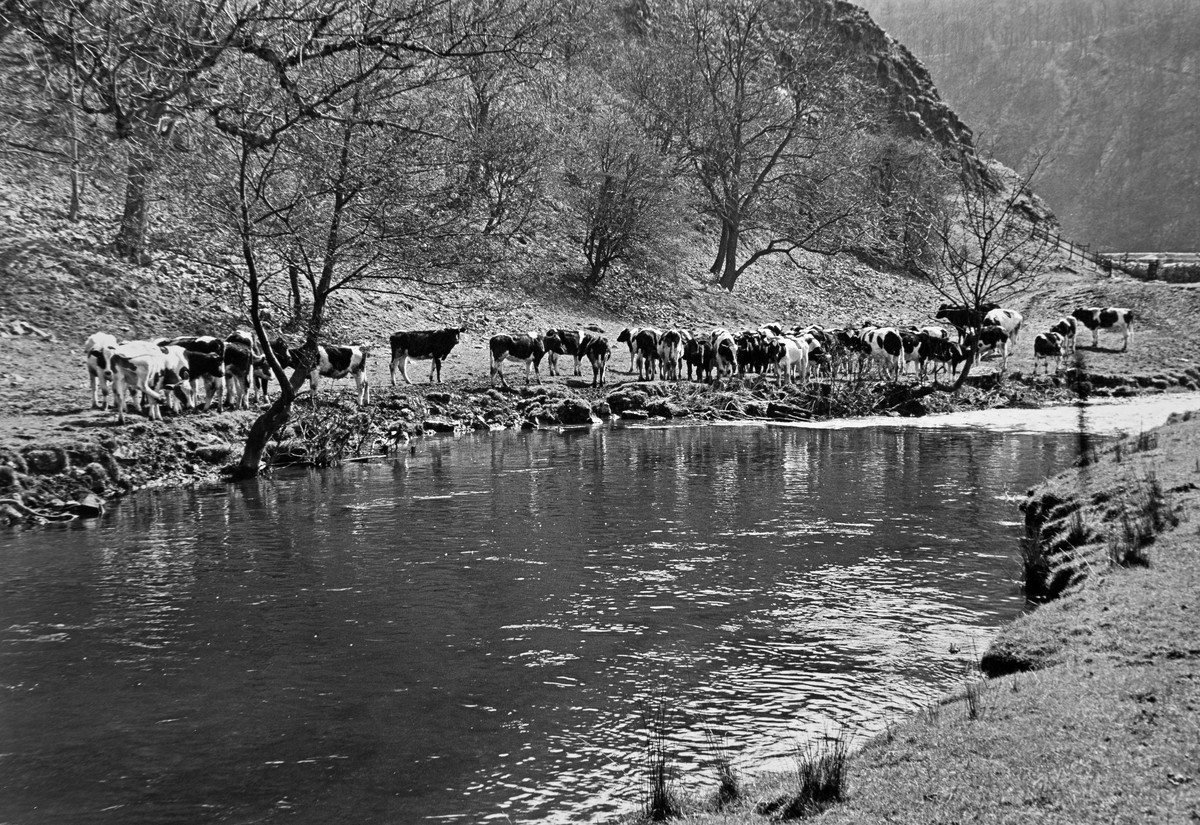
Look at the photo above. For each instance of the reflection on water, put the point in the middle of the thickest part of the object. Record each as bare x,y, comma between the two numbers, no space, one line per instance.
471,632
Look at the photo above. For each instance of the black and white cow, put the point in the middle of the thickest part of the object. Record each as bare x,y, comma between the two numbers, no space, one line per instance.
524,348
1066,327
788,356
698,355
1110,319
207,368
240,377
886,348
941,353
1047,347
198,343
724,353
991,339
97,349
627,337
563,342
1008,320
205,356
596,350
151,372
963,318
433,345
240,384
333,361
645,345
670,353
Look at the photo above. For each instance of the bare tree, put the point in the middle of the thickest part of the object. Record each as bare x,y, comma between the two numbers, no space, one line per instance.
760,97
141,65
988,247
338,164
619,192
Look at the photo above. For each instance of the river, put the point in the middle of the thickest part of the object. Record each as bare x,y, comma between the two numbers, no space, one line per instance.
473,632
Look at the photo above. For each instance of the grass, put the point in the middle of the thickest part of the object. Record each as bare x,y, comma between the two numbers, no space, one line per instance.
660,802
729,783
820,779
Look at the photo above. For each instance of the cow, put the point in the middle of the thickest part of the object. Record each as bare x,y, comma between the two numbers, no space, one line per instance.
596,350
240,382
993,338
1066,327
198,343
646,347
963,318
627,337
144,368
789,358
886,347
941,353
670,353
431,344
205,355
1008,320
333,361
1114,319
256,377
752,350
1048,346
527,348
207,368
724,348
562,342
698,355
97,350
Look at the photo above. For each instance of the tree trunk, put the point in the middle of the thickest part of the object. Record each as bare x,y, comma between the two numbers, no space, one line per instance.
730,275
719,263
261,432
73,143
294,281
969,346
131,238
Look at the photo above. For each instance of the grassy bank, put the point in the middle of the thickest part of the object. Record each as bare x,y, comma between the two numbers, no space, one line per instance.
1097,715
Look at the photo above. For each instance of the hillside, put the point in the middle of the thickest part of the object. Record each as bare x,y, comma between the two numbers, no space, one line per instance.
1108,93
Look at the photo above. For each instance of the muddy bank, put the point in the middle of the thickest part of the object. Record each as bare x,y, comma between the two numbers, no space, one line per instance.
69,459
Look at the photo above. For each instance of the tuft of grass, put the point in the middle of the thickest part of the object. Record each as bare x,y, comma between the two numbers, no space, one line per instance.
821,773
976,688
729,784
1146,442
1142,517
661,802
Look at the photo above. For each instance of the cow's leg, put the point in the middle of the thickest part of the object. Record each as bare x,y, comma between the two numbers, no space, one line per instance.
498,371
392,369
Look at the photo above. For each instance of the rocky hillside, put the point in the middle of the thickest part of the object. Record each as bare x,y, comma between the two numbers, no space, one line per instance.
1107,92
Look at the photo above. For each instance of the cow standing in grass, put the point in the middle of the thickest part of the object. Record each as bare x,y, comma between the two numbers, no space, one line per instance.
522,348
433,345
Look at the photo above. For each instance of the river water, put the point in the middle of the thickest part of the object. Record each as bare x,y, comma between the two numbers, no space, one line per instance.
475,631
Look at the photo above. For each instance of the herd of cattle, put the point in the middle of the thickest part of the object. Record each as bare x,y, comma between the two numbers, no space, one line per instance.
233,372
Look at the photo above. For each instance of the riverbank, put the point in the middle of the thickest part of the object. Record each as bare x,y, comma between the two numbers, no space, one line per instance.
1086,708
70,462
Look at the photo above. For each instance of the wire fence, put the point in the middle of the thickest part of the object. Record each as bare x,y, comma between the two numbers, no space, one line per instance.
1172,267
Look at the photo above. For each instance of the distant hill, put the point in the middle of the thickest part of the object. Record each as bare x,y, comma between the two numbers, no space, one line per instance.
1110,91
